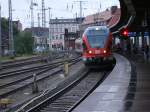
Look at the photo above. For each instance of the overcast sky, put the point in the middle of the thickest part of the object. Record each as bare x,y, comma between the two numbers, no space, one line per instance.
60,8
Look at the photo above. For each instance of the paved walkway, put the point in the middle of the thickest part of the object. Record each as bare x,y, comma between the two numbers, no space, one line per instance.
140,101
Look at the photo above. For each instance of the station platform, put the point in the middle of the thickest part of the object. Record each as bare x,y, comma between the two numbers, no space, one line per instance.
126,89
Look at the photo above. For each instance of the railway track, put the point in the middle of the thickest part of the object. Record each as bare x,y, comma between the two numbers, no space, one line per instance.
19,60
68,97
10,83
55,54
23,62
25,68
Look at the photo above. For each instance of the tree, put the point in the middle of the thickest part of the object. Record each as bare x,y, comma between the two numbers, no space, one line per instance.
5,34
24,43
5,27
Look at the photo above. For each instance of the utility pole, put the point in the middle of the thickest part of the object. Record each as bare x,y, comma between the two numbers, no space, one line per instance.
39,20
50,35
43,21
32,19
80,9
43,14
32,15
0,40
11,39
32,23
100,6
50,41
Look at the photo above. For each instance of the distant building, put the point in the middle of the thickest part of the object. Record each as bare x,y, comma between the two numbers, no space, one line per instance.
18,25
57,30
40,36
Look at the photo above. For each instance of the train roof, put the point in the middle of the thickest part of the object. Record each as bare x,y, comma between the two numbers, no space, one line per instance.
104,30
97,27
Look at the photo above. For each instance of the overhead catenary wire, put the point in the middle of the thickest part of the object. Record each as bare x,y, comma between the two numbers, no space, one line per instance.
81,6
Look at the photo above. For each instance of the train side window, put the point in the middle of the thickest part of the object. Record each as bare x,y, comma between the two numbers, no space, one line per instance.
84,46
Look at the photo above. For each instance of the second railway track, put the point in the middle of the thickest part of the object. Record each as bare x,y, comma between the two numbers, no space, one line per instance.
9,84
28,61
66,99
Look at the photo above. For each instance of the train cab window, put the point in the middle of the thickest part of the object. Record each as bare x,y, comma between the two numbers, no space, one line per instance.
96,38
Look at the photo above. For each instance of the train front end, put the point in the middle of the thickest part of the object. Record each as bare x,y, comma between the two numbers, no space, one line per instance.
97,42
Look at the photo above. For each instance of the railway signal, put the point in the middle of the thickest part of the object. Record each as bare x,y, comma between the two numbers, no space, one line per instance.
124,33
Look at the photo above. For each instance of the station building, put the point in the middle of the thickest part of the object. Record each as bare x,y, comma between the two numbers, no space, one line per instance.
108,17
57,31
40,35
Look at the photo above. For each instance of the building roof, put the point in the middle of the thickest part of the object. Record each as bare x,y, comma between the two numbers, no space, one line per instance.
38,31
115,18
103,16
66,21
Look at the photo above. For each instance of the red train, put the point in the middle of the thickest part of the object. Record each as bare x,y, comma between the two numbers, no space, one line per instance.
97,44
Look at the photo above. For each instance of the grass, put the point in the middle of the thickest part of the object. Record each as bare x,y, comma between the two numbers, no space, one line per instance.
19,56
9,58
4,58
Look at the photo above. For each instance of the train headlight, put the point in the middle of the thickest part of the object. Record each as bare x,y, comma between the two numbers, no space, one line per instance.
105,51
84,59
90,52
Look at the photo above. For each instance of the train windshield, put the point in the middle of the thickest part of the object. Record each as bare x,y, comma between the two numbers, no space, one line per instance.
96,38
